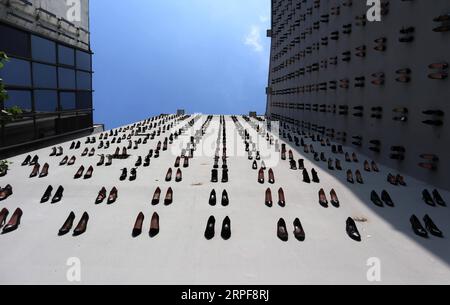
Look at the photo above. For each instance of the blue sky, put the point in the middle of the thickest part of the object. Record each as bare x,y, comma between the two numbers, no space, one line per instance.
154,56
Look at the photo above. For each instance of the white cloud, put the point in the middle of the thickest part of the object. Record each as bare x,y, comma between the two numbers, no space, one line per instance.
263,19
253,39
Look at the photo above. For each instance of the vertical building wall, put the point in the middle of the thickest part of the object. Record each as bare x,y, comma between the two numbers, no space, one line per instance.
366,84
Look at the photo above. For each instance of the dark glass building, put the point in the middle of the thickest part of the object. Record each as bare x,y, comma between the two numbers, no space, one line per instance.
49,72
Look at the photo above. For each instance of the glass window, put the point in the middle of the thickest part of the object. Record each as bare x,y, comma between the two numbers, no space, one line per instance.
20,99
84,100
66,56
45,100
66,78
83,60
16,72
84,80
67,100
43,49
44,76
14,42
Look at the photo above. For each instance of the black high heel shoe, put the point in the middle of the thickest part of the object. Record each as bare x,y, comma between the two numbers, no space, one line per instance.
352,230
210,232
431,227
58,195
226,228
47,194
426,196
417,227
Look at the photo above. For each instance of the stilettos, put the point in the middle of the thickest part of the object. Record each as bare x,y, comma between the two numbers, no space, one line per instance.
168,200
323,199
334,199
315,176
431,227
3,215
113,195
213,198
67,226
350,177
82,225
79,173
156,196
137,229
438,198
154,225
101,161
72,161
376,199
387,199
178,176
352,230
133,174
417,227
58,195
34,161
214,176
306,178
261,176
225,199
26,161
359,177
299,233
224,175
89,173
109,160
426,196
282,230
226,228
177,162
281,198
101,196
169,175
6,192
35,170
64,161
47,194
14,222
268,200
124,174
210,230
271,177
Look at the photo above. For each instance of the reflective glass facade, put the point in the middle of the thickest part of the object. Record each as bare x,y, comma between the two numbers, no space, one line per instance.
50,81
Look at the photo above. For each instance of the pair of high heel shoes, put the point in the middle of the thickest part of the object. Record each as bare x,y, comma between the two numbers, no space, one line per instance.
396,180
13,222
56,152
307,179
108,158
433,200
30,161
168,200
215,175
385,199
80,173
261,178
133,174
323,201
429,225
178,162
225,200
210,228
43,173
79,229
178,176
358,176
282,232
66,161
281,198
102,195
154,225
48,193
87,152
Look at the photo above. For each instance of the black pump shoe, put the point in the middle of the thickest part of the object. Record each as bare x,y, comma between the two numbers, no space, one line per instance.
213,198
210,231
47,194
387,199
438,198
426,196
431,227
282,230
225,199
306,178
226,228
417,227
376,199
58,195
299,233
352,230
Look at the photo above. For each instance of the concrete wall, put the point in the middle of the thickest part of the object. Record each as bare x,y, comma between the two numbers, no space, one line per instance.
311,42
29,17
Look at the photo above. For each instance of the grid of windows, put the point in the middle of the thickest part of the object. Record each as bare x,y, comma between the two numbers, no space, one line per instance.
45,78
